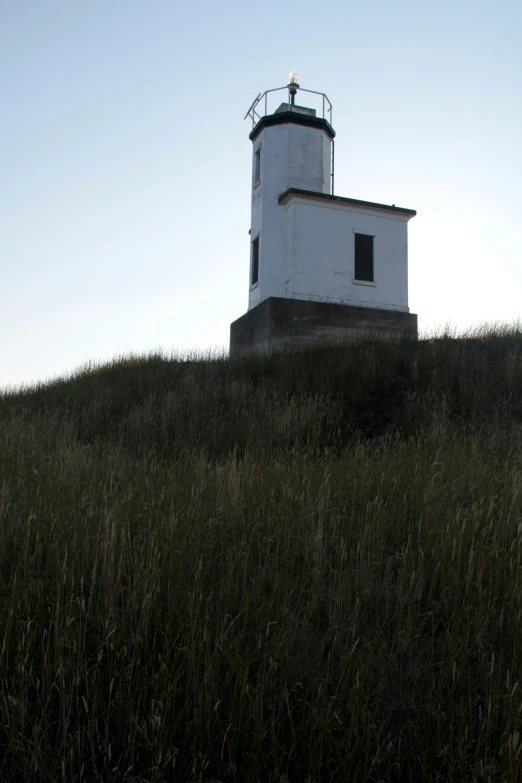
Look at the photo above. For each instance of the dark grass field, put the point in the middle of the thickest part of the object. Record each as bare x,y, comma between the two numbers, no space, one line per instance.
299,568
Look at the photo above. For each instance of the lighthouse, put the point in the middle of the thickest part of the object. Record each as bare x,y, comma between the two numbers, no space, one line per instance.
321,265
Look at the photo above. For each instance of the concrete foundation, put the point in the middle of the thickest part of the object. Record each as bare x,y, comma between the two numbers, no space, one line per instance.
278,321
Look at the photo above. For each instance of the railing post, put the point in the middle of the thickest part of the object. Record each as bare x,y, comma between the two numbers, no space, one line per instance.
333,164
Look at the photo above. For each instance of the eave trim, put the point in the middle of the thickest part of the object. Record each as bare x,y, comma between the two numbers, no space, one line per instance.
310,194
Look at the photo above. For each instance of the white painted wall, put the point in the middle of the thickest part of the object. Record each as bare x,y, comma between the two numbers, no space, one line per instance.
292,156
306,246
319,263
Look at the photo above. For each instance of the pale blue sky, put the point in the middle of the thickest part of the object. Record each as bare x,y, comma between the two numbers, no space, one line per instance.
125,161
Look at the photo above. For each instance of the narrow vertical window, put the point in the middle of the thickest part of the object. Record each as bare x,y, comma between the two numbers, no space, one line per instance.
255,261
363,258
257,166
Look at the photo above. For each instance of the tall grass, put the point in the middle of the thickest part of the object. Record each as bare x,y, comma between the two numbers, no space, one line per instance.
302,567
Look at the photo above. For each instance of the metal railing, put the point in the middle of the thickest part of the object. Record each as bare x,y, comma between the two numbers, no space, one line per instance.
255,116
292,88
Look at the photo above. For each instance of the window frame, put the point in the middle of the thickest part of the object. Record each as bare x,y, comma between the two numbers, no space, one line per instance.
363,280
254,261
257,167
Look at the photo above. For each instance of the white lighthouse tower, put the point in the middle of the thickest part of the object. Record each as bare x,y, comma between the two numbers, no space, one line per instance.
321,265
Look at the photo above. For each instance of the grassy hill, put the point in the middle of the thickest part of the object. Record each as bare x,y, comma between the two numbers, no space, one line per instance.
298,568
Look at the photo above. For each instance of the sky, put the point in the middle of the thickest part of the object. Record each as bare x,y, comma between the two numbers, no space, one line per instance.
125,163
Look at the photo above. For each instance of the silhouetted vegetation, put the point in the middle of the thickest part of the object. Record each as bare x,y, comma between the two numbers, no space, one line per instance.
301,567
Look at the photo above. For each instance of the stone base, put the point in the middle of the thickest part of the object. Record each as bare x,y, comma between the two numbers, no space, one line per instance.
277,321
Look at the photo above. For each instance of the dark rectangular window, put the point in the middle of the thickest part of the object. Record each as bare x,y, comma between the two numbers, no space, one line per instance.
257,166
363,257
255,261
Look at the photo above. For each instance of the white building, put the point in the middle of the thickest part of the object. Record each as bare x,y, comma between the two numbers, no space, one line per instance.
320,264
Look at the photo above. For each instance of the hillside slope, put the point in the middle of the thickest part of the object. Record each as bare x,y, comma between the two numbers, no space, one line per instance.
303,567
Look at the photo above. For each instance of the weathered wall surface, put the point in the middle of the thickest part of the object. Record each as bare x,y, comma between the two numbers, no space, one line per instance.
251,332
319,263
280,321
292,156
